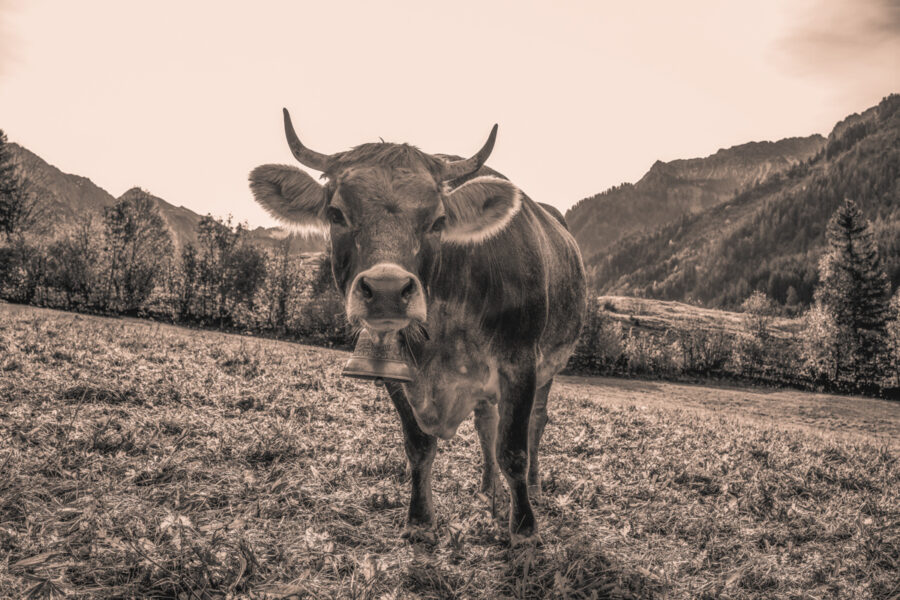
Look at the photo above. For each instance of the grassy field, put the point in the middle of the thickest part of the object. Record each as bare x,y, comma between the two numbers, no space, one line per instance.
142,460
662,316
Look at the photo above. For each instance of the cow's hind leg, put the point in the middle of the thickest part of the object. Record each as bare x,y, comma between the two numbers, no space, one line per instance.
539,420
420,450
517,398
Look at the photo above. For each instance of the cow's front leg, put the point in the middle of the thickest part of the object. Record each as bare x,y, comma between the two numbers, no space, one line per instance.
517,398
420,450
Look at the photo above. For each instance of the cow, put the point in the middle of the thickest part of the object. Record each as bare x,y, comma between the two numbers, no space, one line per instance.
485,287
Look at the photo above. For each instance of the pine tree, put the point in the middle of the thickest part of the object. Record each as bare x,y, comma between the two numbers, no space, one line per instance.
856,290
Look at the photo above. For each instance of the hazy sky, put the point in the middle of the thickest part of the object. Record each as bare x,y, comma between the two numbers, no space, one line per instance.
184,98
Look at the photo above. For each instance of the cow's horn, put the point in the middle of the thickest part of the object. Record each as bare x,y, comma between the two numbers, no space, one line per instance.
461,168
307,157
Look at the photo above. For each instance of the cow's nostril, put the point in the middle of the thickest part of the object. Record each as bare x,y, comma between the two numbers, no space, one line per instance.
365,289
408,289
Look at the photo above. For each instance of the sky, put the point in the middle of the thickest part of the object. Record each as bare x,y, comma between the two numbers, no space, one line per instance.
184,98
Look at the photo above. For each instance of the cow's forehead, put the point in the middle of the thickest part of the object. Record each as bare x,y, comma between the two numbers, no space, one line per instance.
405,187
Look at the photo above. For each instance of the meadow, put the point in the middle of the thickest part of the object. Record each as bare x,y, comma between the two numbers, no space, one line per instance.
151,461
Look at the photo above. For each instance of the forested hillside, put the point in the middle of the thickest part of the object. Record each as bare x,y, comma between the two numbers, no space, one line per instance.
669,190
769,237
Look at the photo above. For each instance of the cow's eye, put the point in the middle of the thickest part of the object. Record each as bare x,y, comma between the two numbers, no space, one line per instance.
335,216
439,224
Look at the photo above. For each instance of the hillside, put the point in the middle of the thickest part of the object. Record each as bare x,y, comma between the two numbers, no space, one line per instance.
770,236
669,190
661,317
64,197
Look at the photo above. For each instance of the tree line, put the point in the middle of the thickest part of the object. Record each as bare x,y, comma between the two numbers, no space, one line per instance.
126,262
847,340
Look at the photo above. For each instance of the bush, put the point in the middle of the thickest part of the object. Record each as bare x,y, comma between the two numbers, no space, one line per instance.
23,262
703,352
647,355
600,349
318,315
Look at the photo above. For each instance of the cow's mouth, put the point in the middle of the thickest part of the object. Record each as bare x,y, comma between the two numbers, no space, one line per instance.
384,326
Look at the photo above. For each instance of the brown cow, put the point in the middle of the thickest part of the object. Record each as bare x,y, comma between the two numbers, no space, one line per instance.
485,287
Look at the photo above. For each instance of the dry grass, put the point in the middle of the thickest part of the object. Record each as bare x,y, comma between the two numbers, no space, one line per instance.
139,460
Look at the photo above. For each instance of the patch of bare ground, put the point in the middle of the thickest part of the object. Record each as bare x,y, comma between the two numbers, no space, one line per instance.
139,460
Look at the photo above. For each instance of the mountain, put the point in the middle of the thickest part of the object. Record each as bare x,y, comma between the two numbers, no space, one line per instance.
771,235
669,190
65,197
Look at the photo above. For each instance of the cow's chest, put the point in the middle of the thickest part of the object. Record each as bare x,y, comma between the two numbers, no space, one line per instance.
457,370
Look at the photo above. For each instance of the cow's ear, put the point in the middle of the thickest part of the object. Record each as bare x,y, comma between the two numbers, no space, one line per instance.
289,194
480,209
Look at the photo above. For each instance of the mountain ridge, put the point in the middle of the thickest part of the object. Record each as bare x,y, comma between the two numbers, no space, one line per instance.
671,189
768,236
65,197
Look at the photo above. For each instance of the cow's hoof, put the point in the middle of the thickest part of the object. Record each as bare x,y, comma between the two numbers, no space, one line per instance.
419,534
518,540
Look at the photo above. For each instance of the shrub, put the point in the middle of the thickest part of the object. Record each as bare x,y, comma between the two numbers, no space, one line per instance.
318,314
23,261
600,349
703,351
645,354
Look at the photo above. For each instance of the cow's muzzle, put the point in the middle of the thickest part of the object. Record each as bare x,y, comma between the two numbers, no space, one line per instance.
386,297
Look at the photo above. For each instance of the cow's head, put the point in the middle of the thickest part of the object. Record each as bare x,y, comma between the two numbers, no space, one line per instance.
387,209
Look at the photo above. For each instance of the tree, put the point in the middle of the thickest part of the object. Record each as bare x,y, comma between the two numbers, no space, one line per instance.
893,333
855,290
821,353
23,263
74,262
230,268
187,283
281,285
139,244
752,347
18,207
758,310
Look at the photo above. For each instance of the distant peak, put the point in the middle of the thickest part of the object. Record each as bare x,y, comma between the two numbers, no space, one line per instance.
137,191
